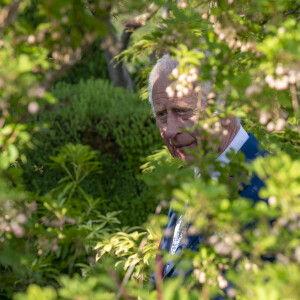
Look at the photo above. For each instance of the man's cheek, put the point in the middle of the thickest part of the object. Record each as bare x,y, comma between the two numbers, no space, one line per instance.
165,140
171,149
162,134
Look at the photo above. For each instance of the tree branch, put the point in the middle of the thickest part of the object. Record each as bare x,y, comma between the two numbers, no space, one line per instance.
112,47
143,243
294,11
135,23
8,14
295,103
118,73
122,290
131,268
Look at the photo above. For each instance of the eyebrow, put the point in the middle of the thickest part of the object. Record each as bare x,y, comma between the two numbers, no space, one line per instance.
186,109
165,95
177,105
159,110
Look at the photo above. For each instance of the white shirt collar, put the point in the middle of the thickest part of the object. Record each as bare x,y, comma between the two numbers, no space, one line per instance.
236,144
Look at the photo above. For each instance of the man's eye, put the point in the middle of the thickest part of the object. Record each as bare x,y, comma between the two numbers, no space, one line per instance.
183,112
180,110
161,114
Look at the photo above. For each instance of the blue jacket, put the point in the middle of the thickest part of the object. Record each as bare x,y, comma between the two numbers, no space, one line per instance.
251,151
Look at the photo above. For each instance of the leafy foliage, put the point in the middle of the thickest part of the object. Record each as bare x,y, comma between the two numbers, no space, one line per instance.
249,53
59,228
91,65
116,124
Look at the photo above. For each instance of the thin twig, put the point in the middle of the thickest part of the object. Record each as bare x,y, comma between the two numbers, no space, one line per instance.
135,23
70,268
131,268
36,168
294,97
121,288
9,14
294,11
141,246
158,277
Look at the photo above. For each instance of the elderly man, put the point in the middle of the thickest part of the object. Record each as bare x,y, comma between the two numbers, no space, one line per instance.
173,114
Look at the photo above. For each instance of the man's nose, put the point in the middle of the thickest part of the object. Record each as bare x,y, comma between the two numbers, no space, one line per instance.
172,126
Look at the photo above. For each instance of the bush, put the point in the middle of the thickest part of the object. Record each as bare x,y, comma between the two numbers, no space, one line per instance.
111,120
44,237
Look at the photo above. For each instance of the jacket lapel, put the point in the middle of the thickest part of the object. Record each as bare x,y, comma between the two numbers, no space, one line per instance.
168,231
251,151
167,240
251,148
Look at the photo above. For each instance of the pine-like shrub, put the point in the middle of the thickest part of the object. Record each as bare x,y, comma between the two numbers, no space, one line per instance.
111,120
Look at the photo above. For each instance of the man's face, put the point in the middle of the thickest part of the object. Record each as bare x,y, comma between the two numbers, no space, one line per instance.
174,114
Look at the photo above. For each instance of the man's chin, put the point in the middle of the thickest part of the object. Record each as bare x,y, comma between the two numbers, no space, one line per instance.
183,153
187,157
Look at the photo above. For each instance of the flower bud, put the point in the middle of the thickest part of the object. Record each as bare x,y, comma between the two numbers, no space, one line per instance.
31,39
222,282
270,127
280,125
279,70
175,73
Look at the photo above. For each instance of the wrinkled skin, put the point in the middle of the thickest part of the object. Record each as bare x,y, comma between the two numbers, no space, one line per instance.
173,114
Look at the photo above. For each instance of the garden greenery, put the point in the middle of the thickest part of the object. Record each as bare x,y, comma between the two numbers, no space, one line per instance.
71,186
115,123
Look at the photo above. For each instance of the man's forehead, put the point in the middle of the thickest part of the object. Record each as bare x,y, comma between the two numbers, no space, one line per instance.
160,95
161,82
160,100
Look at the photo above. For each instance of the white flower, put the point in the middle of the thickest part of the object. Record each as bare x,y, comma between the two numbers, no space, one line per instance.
279,70
33,107
175,72
222,282
272,200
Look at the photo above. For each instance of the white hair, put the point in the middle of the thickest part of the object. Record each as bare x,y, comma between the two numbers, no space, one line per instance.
165,66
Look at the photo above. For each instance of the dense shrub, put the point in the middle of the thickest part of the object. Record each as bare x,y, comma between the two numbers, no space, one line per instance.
111,120
43,237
